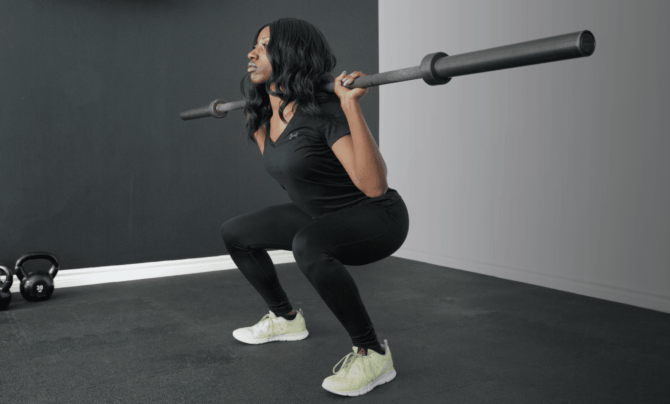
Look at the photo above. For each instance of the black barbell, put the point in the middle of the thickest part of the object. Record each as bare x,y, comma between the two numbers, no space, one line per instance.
438,68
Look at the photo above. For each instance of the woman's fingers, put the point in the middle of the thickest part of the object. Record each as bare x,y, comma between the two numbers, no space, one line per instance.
349,78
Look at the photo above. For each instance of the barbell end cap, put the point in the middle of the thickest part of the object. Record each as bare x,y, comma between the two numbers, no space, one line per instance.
587,43
428,72
185,117
214,111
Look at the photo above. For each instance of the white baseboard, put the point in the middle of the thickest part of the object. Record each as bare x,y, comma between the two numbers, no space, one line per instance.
122,273
580,287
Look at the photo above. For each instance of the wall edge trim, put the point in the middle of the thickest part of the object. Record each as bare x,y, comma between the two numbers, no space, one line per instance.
148,270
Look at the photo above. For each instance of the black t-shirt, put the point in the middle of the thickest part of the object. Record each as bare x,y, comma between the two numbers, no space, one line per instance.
304,164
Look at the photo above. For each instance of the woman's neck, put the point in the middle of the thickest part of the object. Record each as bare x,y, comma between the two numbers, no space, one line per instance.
276,102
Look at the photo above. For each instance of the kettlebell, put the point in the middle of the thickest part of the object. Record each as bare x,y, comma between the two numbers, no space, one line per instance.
36,287
5,294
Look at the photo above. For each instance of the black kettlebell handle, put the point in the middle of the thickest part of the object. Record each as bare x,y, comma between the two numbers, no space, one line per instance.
21,273
4,287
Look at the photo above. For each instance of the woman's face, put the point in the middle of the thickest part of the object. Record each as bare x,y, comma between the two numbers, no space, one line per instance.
259,67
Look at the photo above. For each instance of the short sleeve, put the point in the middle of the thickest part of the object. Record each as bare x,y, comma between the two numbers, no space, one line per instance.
333,131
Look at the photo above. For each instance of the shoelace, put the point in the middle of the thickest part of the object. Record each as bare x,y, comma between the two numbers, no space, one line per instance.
349,360
271,326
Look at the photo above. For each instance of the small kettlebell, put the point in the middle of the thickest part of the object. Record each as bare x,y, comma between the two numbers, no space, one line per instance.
5,293
36,287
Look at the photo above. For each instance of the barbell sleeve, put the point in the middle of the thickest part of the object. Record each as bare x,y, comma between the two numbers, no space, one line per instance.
195,113
551,49
438,68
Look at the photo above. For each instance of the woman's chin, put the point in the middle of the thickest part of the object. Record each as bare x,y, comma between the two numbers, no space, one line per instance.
256,80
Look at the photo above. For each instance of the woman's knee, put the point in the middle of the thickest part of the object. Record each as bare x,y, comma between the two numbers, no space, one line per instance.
300,247
308,251
230,230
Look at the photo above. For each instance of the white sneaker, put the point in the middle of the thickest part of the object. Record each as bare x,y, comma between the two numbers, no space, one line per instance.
361,373
273,328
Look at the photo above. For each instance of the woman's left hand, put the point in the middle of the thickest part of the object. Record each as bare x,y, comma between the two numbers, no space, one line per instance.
347,94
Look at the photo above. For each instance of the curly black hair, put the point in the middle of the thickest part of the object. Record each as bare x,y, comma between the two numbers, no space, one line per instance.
301,61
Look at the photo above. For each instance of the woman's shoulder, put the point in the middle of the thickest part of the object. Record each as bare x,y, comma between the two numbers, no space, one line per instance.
330,107
333,111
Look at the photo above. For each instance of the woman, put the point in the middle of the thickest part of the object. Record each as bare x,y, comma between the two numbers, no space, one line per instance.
318,147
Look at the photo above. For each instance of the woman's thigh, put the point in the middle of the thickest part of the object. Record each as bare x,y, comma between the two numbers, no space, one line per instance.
356,236
270,227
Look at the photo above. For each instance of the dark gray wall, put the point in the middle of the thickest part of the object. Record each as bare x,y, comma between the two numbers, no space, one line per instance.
95,165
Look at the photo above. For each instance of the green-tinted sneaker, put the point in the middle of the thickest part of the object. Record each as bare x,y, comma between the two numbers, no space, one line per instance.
273,328
361,373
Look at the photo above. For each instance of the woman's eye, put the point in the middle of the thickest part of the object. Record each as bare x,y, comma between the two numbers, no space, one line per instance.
265,46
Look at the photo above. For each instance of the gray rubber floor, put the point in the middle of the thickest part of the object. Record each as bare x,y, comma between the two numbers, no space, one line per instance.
456,337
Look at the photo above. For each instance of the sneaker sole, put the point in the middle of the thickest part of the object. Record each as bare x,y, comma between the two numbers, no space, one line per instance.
385,378
283,337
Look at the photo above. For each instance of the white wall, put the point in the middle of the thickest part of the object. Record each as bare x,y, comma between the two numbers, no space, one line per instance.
556,174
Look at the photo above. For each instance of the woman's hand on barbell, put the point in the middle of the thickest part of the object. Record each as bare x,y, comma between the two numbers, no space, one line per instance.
347,94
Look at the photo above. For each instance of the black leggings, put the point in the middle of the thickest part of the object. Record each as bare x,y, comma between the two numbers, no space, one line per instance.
354,236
